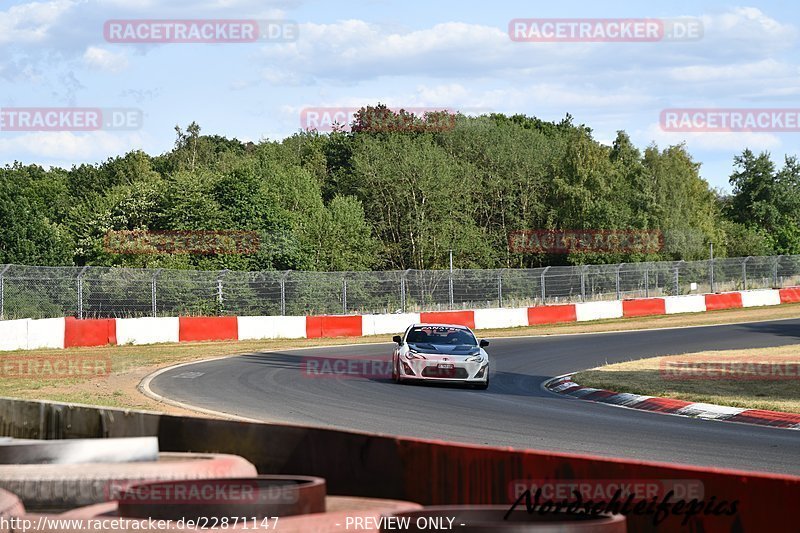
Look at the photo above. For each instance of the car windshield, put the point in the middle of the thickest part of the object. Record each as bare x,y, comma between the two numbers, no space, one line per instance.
440,335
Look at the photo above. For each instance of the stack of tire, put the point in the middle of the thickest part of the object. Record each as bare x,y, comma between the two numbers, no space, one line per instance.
62,485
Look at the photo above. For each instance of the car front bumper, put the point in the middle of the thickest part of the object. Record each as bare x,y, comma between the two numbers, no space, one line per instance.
435,369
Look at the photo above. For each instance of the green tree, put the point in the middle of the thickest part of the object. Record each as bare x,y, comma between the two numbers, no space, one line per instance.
767,200
27,234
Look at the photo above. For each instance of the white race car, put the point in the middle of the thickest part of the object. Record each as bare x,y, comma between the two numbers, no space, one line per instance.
440,352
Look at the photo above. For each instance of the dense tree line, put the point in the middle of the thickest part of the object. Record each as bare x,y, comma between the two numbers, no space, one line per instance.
398,192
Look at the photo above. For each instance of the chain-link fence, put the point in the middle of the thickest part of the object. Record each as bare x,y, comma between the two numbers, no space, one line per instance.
42,292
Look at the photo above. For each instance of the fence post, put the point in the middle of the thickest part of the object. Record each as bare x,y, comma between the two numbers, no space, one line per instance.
220,298
544,293
647,280
619,294
344,295
500,288
677,281
403,289
775,285
2,291
80,291
711,273
283,291
153,293
583,283
451,279
744,271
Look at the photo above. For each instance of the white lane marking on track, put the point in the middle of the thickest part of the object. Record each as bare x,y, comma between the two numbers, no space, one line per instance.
188,375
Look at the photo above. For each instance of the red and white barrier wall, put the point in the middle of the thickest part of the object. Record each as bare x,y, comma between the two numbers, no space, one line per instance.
30,334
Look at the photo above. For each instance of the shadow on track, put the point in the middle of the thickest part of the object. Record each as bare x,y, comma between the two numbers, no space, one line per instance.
781,329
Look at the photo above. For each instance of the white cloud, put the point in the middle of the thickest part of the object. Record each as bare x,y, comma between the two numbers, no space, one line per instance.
352,50
31,22
758,70
728,142
67,146
102,59
750,23
355,49
179,8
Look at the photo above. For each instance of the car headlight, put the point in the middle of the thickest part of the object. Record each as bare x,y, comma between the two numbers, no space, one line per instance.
413,355
475,358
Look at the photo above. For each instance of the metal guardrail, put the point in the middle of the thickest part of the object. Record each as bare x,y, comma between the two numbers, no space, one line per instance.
86,292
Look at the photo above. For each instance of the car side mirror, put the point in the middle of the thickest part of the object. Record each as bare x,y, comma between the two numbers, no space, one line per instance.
398,339
484,343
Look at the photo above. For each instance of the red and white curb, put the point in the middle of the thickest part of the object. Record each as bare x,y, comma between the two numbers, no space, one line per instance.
708,411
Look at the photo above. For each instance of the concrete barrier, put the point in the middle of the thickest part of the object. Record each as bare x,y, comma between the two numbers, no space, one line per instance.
333,326
89,332
148,330
462,318
208,328
691,303
551,314
387,324
761,298
290,327
598,310
256,327
488,472
46,333
14,334
725,300
644,307
501,318
790,295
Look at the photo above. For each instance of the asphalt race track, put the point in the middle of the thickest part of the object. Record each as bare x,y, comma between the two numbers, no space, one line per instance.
515,411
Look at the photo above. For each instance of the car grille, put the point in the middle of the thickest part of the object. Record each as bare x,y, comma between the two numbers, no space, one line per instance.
451,373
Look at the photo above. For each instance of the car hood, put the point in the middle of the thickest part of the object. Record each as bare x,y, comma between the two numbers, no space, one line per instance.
444,349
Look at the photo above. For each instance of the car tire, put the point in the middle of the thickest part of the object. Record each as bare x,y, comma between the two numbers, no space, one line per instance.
395,372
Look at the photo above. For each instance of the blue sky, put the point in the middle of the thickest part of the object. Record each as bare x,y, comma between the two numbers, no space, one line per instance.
408,53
